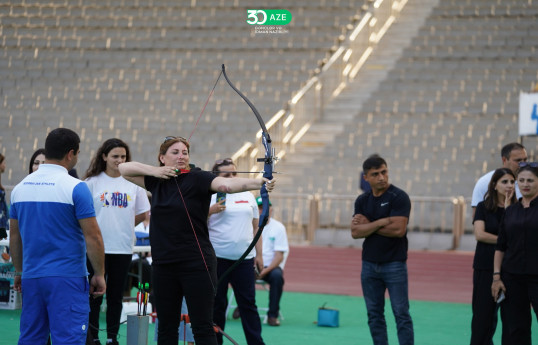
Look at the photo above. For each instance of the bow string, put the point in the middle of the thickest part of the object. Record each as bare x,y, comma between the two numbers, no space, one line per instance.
268,166
268,161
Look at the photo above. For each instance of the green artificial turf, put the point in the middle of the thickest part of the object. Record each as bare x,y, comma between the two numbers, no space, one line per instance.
435,323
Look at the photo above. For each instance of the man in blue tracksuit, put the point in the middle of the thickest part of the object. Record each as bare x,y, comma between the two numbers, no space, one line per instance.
52,228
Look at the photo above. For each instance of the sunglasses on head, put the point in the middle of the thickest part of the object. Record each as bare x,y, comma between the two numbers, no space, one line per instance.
173,138
225,161
531,164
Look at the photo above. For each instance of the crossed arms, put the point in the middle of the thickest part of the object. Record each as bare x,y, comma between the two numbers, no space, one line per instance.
362,227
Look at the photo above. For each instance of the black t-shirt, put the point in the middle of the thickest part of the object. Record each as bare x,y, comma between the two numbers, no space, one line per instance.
518,239
484,253
393,203
171,233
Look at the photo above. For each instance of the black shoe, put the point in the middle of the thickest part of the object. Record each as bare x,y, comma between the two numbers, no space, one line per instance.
236,314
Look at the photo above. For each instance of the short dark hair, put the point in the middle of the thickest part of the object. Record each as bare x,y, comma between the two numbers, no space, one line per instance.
375,161
508,148
59,142
221,163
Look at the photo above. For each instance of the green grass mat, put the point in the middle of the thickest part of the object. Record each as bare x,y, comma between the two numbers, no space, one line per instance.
435,323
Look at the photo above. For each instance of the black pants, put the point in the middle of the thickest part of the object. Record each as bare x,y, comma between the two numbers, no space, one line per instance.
275,278
485,310
521,292
173,281
116,268
243,282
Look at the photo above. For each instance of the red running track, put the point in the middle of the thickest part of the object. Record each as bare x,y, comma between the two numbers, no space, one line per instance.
444,276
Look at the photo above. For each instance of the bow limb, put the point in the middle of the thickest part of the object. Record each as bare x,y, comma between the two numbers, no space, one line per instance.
254,110
267,173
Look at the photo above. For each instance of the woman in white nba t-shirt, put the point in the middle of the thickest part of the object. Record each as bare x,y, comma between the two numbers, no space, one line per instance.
119,206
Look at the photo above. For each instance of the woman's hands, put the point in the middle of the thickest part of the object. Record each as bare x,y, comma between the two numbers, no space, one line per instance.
496,287
508,198
269,184
217,208
165,172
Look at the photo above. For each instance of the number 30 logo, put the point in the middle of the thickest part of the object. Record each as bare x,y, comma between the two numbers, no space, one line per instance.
268,17
253,18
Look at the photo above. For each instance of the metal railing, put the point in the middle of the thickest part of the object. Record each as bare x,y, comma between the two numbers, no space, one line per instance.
303,214
288,125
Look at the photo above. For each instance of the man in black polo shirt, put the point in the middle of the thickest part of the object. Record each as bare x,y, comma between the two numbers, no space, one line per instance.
381,217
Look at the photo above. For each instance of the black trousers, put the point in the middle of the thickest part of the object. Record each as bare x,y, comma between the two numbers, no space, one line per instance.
173,281
485,310
521,293
243,281
116,268
275,278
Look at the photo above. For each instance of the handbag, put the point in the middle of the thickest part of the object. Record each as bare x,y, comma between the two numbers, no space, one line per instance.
328,317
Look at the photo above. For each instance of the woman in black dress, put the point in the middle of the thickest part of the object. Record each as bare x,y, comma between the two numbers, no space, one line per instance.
516,259
486,222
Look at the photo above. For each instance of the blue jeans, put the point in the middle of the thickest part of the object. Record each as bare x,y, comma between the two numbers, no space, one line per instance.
275,279
376,278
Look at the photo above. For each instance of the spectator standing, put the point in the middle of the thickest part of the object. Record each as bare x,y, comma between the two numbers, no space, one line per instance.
511,154
38,158
486,223
381,217
515,264
51,270
4,216
232,225
365,186
119,205
275,254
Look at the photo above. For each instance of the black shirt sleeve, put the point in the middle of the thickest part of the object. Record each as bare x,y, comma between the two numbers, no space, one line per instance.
401,207
502,242
480,213
150,182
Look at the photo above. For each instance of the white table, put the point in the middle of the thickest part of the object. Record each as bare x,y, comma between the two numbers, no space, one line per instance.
141,249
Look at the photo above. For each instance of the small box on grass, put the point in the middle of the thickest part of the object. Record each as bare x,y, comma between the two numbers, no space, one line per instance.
328,317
